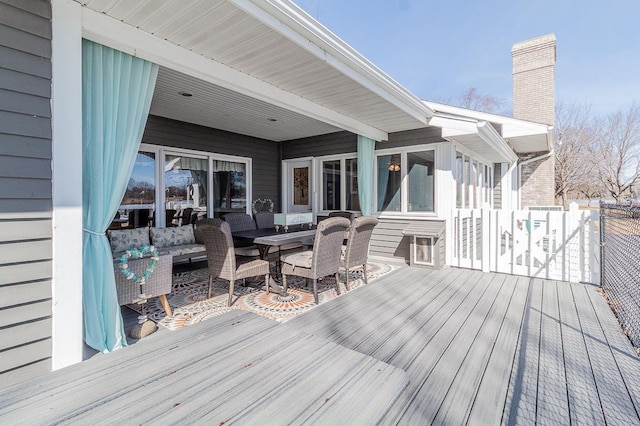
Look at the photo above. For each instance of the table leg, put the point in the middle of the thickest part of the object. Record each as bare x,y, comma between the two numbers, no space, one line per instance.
165,305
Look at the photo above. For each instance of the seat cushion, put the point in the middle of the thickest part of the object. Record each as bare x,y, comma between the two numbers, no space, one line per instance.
124,239
182,249
172,236
301,260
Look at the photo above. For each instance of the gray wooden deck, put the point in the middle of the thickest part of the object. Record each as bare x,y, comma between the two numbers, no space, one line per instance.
489,349
414,347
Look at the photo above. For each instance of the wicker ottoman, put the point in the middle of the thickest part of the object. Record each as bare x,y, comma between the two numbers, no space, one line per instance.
158,284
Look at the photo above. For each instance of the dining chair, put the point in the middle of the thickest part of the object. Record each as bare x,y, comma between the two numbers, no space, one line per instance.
185,217
348,215
221,258
170,215
239,222
323,260
356,252
264,220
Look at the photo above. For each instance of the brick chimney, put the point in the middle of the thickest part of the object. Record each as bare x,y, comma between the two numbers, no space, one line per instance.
534,68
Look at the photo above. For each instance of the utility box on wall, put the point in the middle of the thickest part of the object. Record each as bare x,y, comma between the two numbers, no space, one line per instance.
427,243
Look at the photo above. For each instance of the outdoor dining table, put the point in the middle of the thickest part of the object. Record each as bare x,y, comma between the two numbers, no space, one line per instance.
264,239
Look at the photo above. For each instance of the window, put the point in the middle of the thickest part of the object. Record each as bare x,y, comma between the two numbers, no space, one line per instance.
420,179
353,199
405,181
169,180
331,185
389,180
339,188
230,187
140,195
474,182
185,181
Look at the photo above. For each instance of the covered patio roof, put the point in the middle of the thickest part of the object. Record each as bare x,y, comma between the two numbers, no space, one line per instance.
247,63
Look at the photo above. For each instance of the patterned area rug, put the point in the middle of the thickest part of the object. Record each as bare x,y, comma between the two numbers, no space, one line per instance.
190,305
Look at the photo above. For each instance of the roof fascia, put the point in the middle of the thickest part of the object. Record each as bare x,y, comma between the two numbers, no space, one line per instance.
118,35
490,135
462,126
512,127
294,23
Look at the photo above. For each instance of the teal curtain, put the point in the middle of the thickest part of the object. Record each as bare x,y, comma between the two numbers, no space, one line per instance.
116,95
366,158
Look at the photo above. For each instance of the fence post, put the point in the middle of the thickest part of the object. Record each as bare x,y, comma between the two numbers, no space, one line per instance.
602,254
594,254
485,216
574,224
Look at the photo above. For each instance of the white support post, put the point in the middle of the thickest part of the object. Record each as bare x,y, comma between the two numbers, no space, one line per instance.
66,105
486,238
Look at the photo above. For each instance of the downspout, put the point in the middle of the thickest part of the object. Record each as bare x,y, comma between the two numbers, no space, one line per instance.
531,160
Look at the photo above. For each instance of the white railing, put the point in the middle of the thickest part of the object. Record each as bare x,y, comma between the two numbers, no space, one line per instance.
559,245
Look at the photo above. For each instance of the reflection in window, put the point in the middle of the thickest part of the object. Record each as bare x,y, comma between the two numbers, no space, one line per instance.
353,200
185,183
140,195
420,178
230,187
331,184
389,179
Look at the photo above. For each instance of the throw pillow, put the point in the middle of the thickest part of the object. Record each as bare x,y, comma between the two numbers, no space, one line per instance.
124,239
172,236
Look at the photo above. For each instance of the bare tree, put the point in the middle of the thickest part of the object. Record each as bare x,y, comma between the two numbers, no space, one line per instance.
575,137
618,152
471,98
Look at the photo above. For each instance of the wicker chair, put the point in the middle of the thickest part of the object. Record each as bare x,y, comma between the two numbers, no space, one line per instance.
239,222
264,220
221,258
357,250
348,215
323,260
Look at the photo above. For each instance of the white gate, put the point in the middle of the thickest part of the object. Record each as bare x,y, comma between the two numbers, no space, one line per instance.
546,244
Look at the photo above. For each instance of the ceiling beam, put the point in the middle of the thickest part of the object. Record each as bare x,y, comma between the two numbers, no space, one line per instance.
108,31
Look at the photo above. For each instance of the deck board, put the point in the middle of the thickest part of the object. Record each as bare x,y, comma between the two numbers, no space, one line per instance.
488,349
416,346
552,404
235,367
614,397
492,391
584,401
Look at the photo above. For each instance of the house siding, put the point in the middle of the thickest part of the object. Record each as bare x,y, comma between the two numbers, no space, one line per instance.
265,154
387,239
25,190
319,146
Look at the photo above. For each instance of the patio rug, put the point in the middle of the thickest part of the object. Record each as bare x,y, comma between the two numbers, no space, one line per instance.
190,305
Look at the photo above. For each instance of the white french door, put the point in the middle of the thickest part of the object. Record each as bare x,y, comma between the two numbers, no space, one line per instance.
297,185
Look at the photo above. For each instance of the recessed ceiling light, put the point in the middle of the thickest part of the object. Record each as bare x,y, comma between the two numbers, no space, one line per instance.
186,94
271,119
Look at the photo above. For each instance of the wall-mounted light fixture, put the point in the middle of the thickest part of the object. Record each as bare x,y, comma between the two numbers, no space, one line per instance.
394,167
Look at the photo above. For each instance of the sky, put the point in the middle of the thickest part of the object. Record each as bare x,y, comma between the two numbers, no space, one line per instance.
437,49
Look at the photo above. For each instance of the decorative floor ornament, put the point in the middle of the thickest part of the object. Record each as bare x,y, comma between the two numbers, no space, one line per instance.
190,305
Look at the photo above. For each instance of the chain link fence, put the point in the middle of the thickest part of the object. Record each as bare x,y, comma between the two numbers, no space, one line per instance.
620,264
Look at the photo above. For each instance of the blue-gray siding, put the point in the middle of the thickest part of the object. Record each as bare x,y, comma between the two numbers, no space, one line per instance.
264,153
387,239
25,189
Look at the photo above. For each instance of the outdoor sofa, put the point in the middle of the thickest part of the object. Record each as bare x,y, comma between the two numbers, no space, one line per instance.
179,241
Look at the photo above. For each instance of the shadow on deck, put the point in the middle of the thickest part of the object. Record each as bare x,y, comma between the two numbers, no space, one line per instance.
416,346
